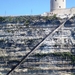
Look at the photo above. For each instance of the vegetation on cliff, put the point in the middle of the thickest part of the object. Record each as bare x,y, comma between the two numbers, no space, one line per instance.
30,19
62,55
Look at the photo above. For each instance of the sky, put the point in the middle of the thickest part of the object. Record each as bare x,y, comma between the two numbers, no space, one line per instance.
27,7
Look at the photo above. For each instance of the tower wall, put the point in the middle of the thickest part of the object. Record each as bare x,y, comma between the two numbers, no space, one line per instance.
57,4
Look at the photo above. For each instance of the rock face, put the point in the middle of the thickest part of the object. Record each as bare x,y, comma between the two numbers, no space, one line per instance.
55,56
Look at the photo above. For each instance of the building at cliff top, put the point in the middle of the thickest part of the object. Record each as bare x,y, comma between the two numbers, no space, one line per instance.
58,7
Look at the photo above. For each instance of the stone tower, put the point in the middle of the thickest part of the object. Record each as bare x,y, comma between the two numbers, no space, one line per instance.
57,4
